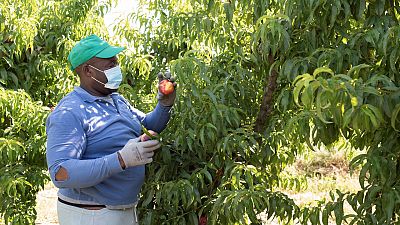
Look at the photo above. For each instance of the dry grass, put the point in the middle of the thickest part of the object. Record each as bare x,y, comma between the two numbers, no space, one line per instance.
318,189
324,171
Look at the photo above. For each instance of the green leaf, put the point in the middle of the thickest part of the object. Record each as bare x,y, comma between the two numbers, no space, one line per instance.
388,204
207,174
296,92
149,198
371,116
363,175
394,116
371,90
299,83
193,218
228,11
322,70
339,213
361,8
320,108
374,193
355,71
325,216
393,60
202,138
211,95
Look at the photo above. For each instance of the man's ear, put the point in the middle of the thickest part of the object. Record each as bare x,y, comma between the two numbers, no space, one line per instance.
84,70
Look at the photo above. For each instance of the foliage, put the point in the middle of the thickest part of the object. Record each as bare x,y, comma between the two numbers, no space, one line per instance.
35,39
259,81
22,160
332,68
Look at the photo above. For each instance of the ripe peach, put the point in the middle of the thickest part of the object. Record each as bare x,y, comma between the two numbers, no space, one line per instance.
166,87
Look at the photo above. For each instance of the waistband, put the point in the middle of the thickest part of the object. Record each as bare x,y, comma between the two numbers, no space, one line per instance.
95,204
80,205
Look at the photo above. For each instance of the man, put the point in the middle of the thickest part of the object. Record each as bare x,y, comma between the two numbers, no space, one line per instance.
94,153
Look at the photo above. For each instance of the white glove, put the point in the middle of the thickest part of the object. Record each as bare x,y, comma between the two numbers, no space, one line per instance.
136,153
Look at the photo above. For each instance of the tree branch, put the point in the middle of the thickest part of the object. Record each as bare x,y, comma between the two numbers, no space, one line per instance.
267,104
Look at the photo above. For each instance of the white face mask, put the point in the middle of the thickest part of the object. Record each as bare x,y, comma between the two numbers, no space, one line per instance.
114,77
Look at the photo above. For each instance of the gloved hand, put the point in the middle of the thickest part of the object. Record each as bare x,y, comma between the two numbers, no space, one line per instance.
166,100
136,153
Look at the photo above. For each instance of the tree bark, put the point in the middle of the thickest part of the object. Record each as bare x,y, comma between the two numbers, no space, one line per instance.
267,104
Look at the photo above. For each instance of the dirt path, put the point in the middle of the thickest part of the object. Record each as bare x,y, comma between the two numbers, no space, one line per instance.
47,206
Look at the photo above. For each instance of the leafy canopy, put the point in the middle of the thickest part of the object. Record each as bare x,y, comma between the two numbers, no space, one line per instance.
259,82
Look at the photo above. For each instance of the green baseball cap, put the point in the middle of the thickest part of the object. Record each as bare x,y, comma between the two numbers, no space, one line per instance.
89,47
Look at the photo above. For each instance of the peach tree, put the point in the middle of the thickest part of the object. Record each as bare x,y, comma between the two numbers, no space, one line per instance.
259,82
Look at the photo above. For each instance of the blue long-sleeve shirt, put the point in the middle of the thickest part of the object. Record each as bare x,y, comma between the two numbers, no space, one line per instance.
84,133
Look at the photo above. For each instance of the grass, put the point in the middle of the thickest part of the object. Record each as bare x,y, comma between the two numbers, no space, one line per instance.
324,170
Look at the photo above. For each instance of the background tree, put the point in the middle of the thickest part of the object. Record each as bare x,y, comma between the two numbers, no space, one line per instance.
35,39
260,81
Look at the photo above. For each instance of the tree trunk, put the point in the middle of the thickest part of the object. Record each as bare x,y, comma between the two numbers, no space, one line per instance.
267,104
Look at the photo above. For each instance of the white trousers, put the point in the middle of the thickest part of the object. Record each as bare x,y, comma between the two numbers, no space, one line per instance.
70,215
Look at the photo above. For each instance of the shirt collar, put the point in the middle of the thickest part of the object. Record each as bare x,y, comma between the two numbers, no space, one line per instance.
86,96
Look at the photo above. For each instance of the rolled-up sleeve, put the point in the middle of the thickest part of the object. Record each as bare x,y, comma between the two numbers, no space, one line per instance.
157,119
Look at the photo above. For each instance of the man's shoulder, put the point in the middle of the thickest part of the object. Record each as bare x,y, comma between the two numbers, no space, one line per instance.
71,103
121,98
118,95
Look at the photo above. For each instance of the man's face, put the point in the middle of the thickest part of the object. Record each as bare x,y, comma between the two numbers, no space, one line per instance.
101,64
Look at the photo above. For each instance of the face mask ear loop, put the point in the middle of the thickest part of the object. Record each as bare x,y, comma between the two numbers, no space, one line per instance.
95,68
98,81
95,78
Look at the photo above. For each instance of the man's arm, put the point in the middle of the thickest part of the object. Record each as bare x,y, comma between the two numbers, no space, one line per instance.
66,141
156,120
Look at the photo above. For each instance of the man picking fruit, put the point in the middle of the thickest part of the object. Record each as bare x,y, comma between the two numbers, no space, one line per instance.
96,154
